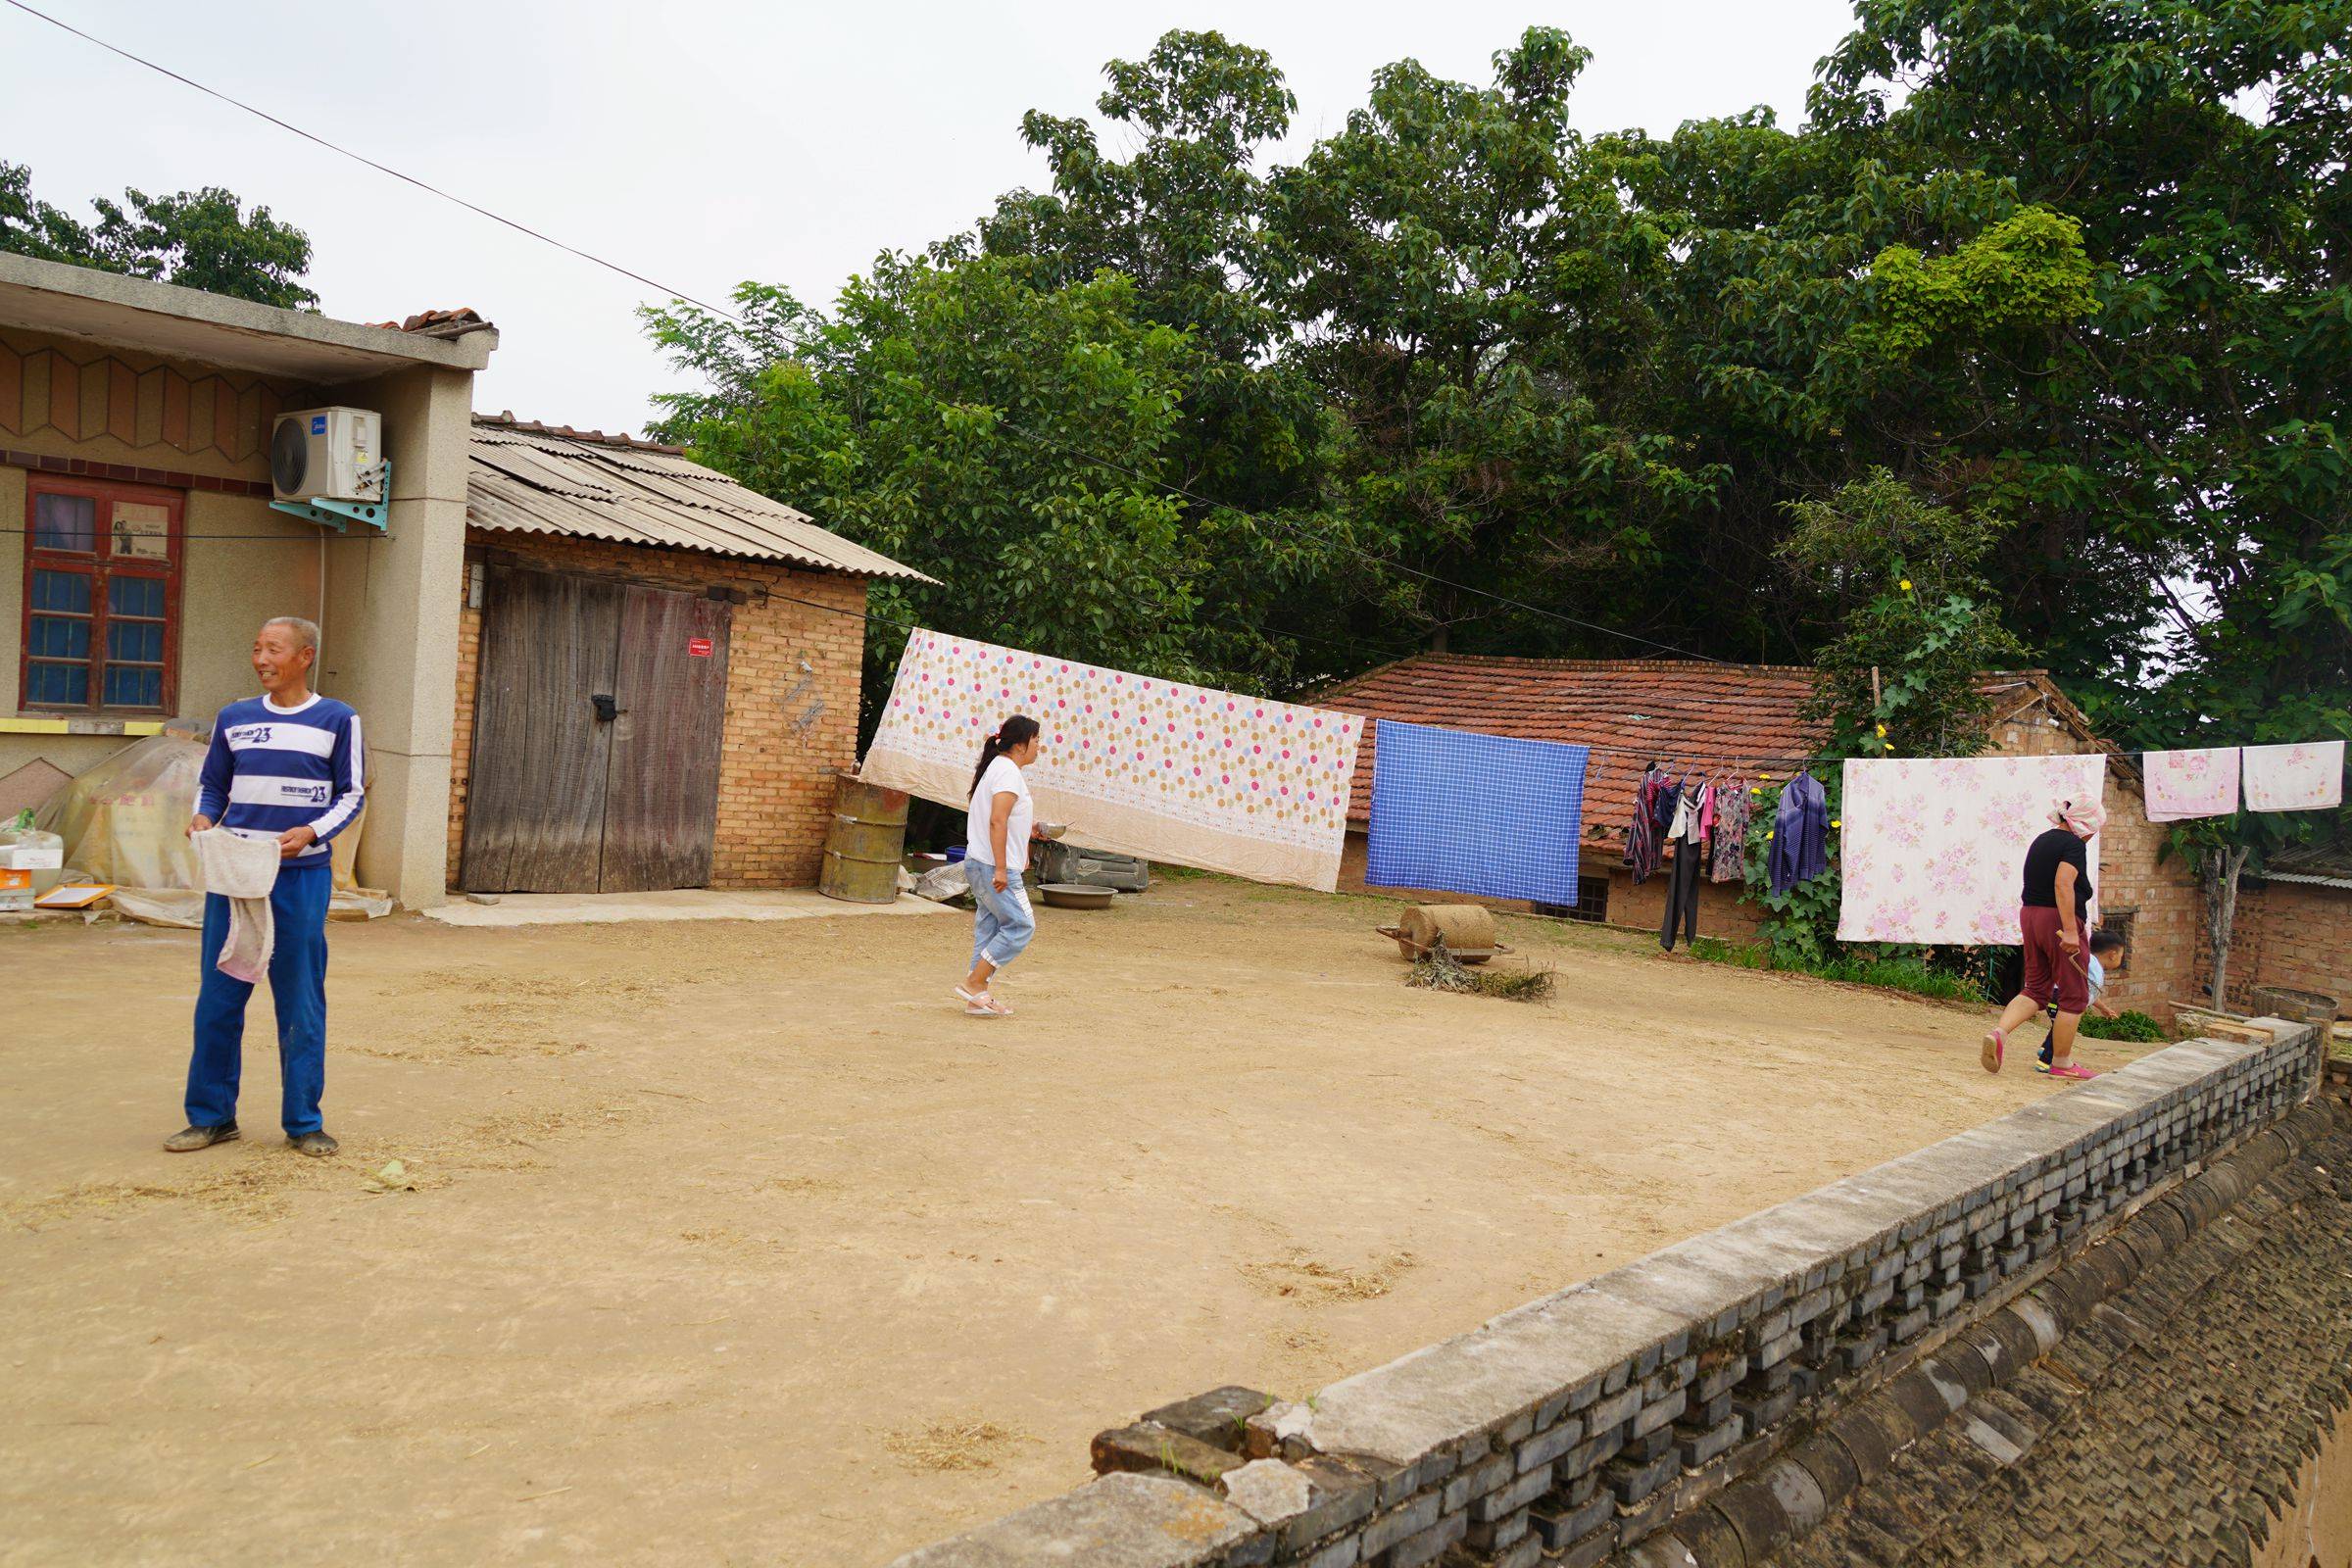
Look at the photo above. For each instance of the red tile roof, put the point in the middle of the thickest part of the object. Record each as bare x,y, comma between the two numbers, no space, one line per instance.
442,324
1630,711
505,420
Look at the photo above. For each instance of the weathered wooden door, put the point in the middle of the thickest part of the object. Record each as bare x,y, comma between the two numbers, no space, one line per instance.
661,789
598,721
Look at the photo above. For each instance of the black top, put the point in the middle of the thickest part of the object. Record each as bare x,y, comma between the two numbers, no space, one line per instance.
2054,848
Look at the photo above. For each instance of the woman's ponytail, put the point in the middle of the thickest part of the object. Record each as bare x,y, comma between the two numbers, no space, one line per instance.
1016,732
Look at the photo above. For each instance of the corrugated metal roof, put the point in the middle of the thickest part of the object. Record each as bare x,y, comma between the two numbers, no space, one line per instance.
526,479
2323,864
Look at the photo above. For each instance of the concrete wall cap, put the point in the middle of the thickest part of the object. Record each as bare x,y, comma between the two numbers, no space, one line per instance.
1121,1521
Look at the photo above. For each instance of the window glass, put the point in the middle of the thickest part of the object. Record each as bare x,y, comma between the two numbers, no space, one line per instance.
99,616
137,642
55,637
57,684
65,591
65,522
129,686
135,596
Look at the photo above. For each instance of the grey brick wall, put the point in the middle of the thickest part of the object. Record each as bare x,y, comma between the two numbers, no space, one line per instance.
1584,1422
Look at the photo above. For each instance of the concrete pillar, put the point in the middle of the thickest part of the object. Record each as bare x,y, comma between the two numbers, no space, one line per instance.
392,628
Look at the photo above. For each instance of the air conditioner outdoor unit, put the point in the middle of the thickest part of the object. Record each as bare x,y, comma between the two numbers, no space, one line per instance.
327,455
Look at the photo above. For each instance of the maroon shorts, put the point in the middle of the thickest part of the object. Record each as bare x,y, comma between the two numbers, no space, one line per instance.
2053,974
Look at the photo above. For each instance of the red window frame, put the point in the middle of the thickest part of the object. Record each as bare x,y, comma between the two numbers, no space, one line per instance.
100,564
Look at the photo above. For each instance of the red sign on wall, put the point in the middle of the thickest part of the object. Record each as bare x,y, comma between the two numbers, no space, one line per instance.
698,647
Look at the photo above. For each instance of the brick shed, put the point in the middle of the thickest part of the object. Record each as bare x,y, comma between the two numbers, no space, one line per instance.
2294,926
658,671
1711,718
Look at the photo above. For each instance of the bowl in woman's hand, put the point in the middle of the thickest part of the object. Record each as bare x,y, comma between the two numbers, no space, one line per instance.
1050,830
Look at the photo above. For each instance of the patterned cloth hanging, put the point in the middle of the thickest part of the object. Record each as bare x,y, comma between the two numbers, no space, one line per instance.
1645,835
1729,839
2181,785
2305,778
1933,848
1184,775
1482,814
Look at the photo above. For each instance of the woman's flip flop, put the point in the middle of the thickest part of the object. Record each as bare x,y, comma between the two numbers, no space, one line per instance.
1995,1046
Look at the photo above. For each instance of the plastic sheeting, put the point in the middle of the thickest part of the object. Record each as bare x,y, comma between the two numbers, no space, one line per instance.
125,821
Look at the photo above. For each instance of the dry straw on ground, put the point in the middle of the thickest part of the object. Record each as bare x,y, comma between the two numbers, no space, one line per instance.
1440,970
964,1444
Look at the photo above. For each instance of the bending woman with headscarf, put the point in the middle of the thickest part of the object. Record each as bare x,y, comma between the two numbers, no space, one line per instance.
996,854
2054,924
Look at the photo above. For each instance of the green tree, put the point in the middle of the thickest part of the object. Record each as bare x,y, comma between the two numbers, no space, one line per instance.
201,240
1472,296
950,416
1180,217
1912,626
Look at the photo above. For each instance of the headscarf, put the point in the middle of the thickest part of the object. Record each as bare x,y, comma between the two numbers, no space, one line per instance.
2086,817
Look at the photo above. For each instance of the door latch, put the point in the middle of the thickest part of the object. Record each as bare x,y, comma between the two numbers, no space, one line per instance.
606,711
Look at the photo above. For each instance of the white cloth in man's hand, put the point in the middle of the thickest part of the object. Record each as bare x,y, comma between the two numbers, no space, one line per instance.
243,870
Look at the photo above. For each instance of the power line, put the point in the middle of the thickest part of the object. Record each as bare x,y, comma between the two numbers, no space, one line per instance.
361,158
1098,460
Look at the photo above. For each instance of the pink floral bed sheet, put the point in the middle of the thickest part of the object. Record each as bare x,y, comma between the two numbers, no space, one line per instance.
1183,774
2183,785
1933,849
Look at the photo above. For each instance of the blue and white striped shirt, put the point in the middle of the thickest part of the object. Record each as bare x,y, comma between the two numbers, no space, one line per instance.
271,768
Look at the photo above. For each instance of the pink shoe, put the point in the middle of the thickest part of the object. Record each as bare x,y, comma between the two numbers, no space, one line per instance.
1995,1046
2075,1070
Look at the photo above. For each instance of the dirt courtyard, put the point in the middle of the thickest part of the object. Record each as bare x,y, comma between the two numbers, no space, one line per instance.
740,1244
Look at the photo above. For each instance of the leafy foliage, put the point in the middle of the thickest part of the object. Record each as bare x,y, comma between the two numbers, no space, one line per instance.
1914,625
2130,1024
200,240
1903,972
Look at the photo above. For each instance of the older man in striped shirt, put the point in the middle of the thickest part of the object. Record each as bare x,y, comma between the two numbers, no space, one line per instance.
285,766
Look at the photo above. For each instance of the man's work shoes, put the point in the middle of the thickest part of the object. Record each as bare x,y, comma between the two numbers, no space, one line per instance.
190,1139
316,1145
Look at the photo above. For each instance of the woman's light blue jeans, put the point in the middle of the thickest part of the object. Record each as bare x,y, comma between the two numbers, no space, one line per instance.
1002,923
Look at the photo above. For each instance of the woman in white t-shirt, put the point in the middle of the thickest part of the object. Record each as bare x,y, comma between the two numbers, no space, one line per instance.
996,852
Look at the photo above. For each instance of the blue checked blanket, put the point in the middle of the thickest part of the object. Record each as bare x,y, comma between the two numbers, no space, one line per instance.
1482,814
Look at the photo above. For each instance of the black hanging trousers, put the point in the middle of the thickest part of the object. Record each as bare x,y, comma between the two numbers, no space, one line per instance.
1681,894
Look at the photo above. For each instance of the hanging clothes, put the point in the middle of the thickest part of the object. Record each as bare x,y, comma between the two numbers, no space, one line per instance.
1728,861
1482,814
2305,778
1689,853
2181,785
1681,894
1140,766
1800,834
1643,838
1932,847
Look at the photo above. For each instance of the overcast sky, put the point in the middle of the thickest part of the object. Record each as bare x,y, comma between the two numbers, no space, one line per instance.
704,144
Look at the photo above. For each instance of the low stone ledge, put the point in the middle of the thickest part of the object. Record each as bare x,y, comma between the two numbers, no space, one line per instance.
1578,1427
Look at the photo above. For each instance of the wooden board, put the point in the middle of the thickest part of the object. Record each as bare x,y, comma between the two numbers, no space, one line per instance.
661,798
535,812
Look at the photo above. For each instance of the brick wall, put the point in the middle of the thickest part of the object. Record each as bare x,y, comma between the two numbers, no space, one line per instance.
775,787
2290,934
1678,1393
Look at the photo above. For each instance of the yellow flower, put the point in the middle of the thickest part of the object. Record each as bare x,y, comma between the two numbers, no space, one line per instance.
1837,822
1881,731
1906,585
